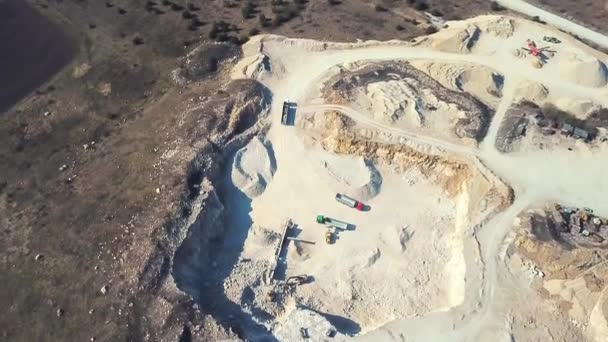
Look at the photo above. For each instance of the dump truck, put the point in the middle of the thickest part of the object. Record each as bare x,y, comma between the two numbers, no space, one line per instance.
349,201
285,112
288,112
332,222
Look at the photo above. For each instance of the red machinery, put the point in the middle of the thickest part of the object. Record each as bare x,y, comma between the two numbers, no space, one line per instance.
534,50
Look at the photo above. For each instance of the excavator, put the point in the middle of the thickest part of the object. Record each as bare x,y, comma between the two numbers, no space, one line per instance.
534,50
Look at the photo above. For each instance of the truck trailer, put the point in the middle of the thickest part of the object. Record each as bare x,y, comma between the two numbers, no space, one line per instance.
348,201
332,222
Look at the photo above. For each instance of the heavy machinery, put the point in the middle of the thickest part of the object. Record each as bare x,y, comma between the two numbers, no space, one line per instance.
536,51
329,237
332,222
350,202
288,112
298,280
551,40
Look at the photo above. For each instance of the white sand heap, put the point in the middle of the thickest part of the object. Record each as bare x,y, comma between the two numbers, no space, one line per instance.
354,176
531,91
456,40
581,108
393,100
584,70
253,168
480,81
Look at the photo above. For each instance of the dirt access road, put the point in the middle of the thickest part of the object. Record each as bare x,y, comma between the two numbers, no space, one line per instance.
536,177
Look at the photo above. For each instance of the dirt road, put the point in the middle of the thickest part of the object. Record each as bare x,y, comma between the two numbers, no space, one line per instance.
369,122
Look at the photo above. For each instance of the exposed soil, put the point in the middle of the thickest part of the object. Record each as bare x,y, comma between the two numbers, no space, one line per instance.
344,87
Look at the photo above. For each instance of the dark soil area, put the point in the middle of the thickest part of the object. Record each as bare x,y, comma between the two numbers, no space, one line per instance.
32,50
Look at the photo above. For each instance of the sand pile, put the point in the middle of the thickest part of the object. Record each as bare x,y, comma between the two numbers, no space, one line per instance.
393,100
456,41
584,70
354,176
578,107
483,83
531,91
253,167
501,27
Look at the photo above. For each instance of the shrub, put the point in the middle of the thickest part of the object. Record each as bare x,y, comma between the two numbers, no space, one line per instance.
437,13
537,19
193,7
380,8
495,6
430,30
334,2
212,64
243,39
421,5
399,27
263,20
213,33
247,10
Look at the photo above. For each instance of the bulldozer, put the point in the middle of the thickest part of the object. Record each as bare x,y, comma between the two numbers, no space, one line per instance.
329,237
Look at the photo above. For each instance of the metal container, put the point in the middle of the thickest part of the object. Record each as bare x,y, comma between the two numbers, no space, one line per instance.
332,222
348,201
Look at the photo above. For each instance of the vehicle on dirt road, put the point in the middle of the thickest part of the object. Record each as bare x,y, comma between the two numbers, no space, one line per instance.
350,202
332,222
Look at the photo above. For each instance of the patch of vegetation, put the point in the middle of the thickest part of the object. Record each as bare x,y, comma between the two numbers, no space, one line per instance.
495,6
221,32
248,10
421,5
537,19
430,30
437,13
334,2
284,12
380,8
264,22
254,31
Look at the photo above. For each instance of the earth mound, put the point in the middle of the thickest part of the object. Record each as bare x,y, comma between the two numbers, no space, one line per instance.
253,168
583,70
354,176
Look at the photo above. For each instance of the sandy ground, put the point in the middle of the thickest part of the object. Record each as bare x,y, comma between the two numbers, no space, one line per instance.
416,264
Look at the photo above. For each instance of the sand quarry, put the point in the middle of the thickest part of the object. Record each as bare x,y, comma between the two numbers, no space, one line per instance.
409,129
